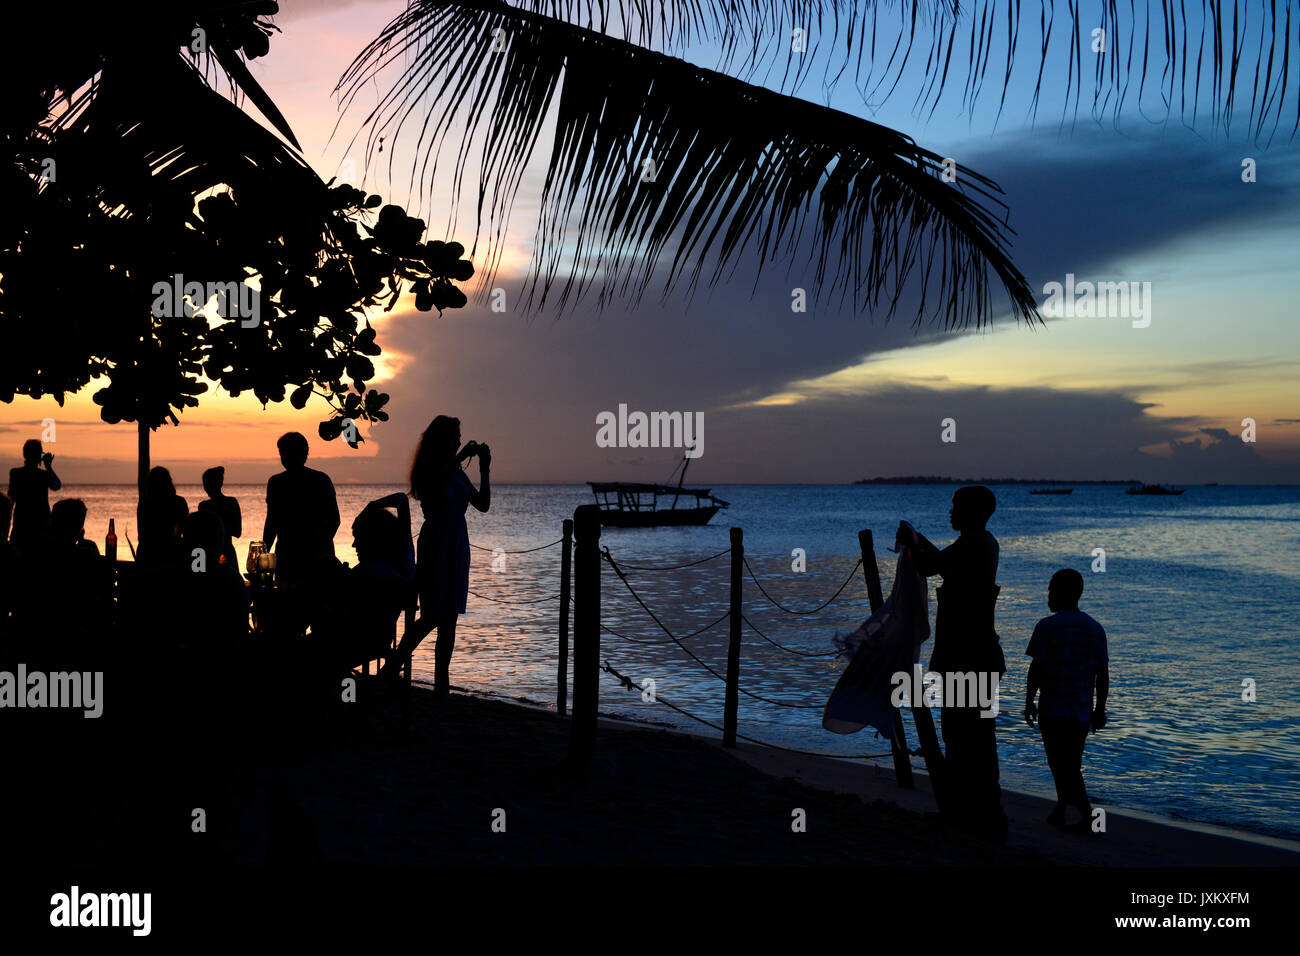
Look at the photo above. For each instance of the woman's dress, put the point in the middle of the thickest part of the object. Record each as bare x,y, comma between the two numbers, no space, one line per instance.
442,552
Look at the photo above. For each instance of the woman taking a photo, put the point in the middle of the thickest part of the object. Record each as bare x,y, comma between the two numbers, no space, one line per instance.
442,552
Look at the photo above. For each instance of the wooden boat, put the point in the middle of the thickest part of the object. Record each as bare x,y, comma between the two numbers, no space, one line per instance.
1050,491
1145,489
629,504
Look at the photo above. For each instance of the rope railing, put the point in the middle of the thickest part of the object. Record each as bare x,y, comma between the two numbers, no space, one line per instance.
588,557
631,685
540,547
814,610
677,641
485,597
686,637
788,650
672,567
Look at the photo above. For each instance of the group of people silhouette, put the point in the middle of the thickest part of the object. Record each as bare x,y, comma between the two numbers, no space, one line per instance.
186,562
53,578
1066,687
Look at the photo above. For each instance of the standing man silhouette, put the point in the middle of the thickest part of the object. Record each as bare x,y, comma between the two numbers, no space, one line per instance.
965,642
29,488
224,507
302,513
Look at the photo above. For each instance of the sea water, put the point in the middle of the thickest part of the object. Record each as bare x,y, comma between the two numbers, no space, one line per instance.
1199,594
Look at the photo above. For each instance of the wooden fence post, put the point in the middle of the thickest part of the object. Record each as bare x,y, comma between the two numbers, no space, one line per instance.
586,634
732,701
898,745
566,570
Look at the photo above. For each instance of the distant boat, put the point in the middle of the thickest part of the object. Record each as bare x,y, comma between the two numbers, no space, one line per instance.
1050,491
626,504
1154,490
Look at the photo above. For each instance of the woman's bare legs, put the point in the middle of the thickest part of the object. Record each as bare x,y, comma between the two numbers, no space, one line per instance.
420,629
442,655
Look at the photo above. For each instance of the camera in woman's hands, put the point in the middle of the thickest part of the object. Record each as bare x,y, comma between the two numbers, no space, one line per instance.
471,449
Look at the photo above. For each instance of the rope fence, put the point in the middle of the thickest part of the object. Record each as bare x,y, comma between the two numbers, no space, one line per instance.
540,547
685,637
631,685
822,606
580,600
549,597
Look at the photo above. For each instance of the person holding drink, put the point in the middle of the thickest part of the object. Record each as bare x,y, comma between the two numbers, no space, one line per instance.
442,554
29,488
302,515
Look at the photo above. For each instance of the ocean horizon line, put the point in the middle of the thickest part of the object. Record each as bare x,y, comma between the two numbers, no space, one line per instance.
777,484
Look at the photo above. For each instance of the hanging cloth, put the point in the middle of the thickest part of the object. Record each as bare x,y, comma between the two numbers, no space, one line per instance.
888,642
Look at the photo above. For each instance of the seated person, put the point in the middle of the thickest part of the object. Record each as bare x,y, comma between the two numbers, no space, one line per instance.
361,623
68,586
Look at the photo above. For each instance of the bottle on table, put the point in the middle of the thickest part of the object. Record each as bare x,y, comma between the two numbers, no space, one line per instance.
110,543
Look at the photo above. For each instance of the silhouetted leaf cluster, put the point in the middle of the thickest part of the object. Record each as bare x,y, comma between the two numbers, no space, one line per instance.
158,176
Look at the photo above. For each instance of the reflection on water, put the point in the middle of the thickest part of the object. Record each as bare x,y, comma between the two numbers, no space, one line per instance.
1199,593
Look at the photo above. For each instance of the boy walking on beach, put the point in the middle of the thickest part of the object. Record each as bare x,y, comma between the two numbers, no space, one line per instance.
1069,660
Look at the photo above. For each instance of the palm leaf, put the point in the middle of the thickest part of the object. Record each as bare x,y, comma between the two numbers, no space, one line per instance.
140,39
246,83
739,169
140,144
1180,54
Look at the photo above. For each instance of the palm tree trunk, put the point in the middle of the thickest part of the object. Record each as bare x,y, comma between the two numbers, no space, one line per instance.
142,474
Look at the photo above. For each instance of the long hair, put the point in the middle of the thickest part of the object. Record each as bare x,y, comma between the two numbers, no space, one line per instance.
435,456
159,485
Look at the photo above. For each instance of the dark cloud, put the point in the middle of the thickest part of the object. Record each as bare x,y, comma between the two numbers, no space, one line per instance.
1096,198
1227,459
541,420
1022,432
536,385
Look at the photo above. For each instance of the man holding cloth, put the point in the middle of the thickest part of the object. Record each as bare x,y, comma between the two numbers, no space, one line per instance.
965,642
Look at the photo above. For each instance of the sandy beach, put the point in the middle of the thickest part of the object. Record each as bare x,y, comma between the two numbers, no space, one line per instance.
480,782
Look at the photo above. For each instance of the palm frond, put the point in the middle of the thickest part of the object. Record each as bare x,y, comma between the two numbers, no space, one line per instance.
738,169
135,147
1174,55
141,39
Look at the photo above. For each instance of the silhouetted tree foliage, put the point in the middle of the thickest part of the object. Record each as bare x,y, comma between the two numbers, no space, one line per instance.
132,177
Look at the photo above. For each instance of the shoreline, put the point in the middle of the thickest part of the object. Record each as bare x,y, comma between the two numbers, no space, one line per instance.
828,768
657,796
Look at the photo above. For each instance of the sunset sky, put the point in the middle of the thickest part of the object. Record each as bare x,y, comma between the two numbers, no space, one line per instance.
824,396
